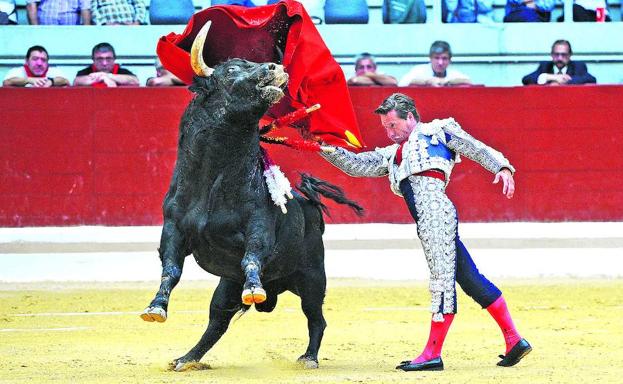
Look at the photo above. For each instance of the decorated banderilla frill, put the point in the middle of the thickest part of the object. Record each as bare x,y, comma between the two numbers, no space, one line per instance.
278,184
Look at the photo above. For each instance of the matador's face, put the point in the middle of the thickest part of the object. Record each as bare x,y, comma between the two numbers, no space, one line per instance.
396,128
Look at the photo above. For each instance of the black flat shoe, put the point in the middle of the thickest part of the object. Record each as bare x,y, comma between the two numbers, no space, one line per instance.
430,365
518,352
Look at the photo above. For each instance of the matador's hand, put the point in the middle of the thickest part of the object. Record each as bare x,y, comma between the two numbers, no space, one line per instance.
327,148
508,188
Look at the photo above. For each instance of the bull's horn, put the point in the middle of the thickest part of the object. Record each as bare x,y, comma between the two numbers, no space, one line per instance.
196,52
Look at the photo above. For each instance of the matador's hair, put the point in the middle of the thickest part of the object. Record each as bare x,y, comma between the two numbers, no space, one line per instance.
400,103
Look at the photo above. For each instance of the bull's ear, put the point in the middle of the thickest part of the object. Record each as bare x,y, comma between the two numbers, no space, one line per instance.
203,85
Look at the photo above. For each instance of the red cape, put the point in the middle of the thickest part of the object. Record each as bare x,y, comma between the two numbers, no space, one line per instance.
253,34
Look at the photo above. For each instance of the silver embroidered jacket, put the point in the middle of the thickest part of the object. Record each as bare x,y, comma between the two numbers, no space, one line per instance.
434,145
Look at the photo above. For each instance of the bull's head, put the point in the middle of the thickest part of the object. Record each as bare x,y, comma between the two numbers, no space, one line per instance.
245,81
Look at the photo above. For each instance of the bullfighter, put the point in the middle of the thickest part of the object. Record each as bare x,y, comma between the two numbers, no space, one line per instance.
419,166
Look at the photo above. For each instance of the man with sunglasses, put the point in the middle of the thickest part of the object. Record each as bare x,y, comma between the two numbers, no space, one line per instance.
561,70
366,74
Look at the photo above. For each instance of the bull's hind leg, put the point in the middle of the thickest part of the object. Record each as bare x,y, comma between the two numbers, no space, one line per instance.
311,287
224,305
172,255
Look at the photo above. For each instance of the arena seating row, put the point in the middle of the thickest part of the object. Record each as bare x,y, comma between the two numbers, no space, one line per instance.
372,15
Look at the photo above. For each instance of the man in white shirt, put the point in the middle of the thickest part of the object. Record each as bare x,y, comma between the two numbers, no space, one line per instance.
436,73
36,72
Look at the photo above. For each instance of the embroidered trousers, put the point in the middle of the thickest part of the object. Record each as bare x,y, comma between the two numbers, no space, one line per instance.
448,259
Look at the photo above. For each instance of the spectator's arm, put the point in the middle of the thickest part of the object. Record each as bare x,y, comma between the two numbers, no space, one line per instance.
140,11
15,82
124,79
85,14
60,81
381,79
164,81
83,81
31,9
581,75
360,80
459,79
37,82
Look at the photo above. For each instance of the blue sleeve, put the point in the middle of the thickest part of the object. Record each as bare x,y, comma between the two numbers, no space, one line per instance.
581,75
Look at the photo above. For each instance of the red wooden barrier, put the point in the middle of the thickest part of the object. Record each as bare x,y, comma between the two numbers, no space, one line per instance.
105,156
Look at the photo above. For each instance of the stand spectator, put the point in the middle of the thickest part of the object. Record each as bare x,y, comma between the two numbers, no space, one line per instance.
436,73
589,10
366,74
104,72
163,77
8,15
36,72
518,11
59,12
468,11
119,12
561,70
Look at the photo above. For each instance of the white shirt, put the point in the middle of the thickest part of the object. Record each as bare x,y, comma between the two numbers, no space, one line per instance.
426,71
21,73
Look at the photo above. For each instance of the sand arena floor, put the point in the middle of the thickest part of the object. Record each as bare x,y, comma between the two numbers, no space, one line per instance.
91,333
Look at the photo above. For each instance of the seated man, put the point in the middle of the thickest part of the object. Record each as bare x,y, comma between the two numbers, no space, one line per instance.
163,77
104,72
35,72
59,12
436,73
561,69
366,74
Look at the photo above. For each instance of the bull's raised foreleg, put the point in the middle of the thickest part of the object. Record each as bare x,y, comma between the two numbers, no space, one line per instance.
224,305
252,292
172,254
312,288
260,240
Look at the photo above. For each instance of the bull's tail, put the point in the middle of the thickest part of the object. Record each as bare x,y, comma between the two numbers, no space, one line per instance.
313,187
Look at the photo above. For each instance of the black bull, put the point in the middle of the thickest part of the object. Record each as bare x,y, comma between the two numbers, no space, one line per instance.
219,209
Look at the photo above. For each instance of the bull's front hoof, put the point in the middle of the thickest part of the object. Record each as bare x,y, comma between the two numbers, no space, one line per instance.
308,362
253,295
152,314
180,365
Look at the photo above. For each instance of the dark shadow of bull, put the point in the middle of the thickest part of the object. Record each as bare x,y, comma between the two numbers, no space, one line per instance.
219,209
